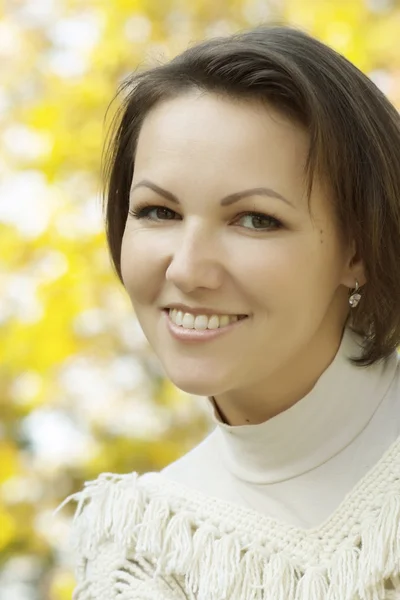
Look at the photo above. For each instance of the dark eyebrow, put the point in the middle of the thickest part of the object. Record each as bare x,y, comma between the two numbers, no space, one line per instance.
259,191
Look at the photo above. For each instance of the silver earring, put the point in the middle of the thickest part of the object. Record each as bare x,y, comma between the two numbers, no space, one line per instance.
355,297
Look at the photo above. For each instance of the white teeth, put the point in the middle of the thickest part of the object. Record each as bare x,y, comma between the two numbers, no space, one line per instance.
200,322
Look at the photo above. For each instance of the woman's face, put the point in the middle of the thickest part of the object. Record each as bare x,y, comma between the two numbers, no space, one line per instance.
290,279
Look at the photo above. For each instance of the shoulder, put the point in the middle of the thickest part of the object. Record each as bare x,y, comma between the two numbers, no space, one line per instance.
153,521
138,513
151,526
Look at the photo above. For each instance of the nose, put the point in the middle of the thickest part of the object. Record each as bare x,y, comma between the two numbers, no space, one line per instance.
196,262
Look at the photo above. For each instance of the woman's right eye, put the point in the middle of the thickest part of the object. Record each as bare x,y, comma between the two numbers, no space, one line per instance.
143,212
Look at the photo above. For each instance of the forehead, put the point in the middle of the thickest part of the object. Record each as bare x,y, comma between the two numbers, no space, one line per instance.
198,121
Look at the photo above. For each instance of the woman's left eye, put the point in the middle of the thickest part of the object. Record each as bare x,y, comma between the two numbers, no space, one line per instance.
143,212
259,218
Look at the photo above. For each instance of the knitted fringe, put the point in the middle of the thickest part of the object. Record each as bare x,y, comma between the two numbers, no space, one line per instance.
221,566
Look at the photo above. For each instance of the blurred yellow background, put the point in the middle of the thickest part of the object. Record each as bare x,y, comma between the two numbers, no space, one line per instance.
81,392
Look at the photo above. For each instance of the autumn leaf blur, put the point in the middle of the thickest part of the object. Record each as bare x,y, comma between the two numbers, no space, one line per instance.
80,389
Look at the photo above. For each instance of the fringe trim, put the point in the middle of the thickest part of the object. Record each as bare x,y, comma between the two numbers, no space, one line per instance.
222,566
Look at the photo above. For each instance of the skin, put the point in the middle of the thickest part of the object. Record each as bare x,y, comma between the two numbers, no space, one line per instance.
293,282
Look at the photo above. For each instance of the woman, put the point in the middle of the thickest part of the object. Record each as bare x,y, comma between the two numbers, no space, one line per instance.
253,216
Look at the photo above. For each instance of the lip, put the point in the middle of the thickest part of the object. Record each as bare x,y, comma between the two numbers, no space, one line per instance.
196,335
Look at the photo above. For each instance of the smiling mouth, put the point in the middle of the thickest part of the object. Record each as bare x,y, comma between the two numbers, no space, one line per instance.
226,322
192,335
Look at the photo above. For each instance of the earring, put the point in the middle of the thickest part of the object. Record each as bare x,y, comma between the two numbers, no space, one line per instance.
355,297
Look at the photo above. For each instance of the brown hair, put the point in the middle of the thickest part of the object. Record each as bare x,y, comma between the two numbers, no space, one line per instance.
354,142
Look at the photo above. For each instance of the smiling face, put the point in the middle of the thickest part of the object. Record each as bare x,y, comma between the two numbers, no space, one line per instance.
287,270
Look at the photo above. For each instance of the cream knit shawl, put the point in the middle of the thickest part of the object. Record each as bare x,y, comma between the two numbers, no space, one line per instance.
147,537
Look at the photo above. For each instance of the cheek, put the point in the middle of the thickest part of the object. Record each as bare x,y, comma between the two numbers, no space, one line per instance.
138,268
279,264
287,271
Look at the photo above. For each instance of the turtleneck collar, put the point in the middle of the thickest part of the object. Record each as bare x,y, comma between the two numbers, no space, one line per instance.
313,430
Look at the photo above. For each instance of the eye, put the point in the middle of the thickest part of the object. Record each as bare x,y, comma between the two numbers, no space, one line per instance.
144,212
257,218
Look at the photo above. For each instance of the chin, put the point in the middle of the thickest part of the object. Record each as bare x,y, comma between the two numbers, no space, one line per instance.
194,387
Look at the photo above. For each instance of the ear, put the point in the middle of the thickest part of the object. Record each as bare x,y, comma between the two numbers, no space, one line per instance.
354,268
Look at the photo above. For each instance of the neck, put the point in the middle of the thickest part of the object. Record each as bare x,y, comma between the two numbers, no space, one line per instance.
283,387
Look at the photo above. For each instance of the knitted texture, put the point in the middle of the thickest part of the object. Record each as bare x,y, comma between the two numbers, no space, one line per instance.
141,537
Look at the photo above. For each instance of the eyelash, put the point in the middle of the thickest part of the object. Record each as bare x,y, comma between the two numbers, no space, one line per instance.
142,212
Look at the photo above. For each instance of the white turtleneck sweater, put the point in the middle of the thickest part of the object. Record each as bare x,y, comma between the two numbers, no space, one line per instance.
305,506
299,465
